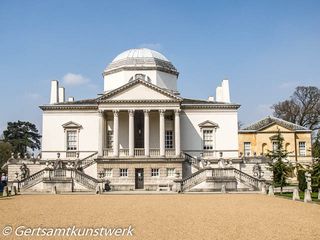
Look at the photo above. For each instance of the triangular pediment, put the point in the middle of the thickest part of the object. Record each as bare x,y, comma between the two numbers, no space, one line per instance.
273,124
208,124
274,127
139,90
71,124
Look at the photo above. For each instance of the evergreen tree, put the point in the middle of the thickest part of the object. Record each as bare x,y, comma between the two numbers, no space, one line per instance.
315,173
279,166
316,147
21,136
5,152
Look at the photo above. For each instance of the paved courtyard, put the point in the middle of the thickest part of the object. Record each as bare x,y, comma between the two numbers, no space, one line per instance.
201,216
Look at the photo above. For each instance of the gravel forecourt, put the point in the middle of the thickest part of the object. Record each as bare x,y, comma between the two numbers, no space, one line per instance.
176,216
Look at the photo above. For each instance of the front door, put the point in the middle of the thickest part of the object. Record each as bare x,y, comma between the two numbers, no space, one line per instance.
139,178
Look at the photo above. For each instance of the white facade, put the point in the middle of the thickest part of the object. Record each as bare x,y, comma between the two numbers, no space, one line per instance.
140,80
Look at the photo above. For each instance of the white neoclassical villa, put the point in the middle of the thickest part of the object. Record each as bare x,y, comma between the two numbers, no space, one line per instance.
139,133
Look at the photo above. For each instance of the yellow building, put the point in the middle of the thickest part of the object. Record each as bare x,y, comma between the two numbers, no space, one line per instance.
259,137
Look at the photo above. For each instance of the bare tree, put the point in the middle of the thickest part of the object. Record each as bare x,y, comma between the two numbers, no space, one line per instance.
303,108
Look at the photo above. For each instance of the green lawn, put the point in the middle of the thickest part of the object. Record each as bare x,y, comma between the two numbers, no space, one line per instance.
314,196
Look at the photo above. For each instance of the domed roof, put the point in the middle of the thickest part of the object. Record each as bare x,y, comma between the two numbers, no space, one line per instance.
140,59
140,53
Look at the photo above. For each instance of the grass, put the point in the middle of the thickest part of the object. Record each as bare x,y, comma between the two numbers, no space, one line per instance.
314,195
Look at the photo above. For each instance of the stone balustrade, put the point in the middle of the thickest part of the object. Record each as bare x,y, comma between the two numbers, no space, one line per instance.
139,152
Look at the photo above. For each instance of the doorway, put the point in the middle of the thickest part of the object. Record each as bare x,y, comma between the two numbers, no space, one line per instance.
139,178
139,129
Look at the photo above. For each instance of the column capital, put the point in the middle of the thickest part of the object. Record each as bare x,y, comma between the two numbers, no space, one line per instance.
177,111
146,111
100,111
115,112
131,112
162,111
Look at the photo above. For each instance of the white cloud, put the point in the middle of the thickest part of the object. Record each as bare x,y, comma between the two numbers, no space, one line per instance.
75,79
153,46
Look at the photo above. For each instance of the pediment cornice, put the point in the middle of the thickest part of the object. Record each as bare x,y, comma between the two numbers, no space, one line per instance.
106,96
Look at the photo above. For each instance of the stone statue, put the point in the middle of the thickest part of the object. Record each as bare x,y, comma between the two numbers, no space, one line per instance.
308,180
295,195
271,191
257,171
24,171
221,163
223,188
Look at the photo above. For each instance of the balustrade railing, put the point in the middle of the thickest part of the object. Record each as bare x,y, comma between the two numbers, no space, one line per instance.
193,180
88,160
139,152
255,182
59,173
32,178
207,173
108,152
170,152
154,152
85,179
124,152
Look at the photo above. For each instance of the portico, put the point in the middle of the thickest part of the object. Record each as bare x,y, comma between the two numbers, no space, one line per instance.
139,132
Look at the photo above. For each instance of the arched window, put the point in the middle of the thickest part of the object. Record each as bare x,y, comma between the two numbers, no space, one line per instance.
140,76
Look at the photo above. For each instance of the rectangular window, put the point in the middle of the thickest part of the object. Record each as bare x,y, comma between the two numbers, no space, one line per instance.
247,149
109,139
171,172
123,172
108,172
169,139
275,146
207,139
155,172
302,149
71,140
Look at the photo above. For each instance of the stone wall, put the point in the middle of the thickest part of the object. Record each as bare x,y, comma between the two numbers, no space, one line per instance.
15,168
150,183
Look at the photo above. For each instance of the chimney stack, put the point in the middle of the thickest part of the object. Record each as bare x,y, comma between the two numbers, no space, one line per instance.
223,92
61,95
226,91
54,92
70,99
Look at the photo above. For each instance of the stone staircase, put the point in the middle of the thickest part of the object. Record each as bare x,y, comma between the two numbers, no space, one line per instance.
210,179
87,161
64,179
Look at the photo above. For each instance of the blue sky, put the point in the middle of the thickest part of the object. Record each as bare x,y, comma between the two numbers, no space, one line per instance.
265,48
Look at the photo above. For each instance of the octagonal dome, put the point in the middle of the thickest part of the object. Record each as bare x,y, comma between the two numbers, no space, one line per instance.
140,59
139,53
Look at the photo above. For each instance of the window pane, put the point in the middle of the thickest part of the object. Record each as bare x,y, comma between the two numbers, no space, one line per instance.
208,139
302,148
71,140
247,148
169,139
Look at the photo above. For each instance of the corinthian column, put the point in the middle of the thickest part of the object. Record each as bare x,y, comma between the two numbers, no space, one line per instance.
101,133
162,132
177,131
131,133
115,133
146,133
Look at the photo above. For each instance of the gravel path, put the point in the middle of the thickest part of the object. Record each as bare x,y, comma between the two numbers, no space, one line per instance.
201,216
